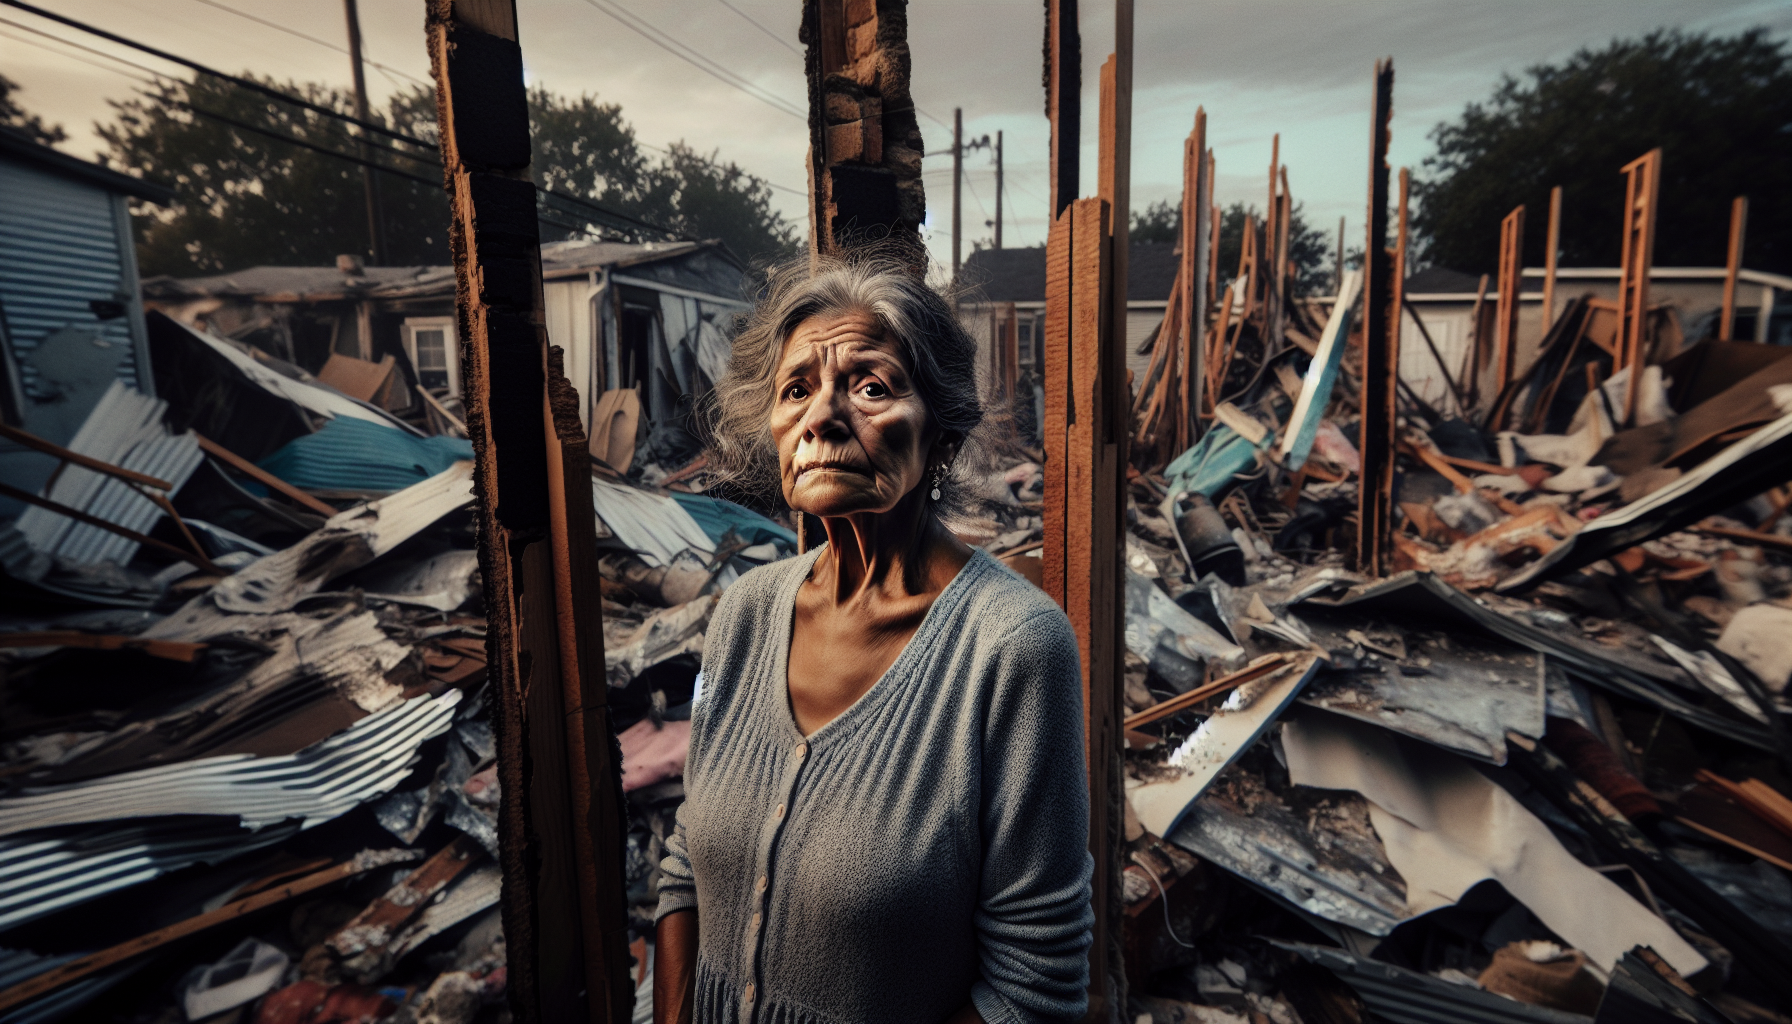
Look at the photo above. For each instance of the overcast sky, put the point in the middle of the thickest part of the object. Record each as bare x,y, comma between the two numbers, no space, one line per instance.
1298,67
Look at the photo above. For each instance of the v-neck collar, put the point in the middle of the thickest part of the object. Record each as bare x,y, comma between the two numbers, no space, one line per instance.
913,649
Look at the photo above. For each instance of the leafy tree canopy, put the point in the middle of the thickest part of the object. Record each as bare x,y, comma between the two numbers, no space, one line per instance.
1720,108
246,198
1308,247
13,118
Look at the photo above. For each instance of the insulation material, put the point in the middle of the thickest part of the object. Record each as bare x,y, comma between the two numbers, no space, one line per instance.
1446,827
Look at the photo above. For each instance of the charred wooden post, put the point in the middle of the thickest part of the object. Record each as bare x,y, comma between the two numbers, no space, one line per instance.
1397,304
1554,244
1381,347
1733,266
1511,277
561,820
1063,100
864,142
1642,191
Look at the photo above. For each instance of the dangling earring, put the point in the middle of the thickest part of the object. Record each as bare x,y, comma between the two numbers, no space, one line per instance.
939,477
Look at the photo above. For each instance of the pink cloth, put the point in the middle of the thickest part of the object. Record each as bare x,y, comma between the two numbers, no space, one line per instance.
652,755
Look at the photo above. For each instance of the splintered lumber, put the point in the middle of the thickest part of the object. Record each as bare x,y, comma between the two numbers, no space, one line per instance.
168,650
561,825
1163,709
1381,348
1642,193
1733,266
864,141
364,944
1506,315
1197,240
74,970
1549,257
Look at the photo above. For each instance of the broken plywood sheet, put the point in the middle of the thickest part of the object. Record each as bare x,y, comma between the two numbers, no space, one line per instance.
1315,849
1446,827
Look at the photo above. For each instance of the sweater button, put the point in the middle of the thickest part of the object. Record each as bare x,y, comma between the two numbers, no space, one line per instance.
779,813
756,919
801,751
747,996
761,884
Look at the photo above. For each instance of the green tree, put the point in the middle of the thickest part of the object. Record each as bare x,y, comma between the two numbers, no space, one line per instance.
14,118
1307,247
1720,108
247,199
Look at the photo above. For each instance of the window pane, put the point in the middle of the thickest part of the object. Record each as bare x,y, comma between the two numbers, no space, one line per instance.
432,358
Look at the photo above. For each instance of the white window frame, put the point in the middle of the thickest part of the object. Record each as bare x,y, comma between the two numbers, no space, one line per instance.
450,346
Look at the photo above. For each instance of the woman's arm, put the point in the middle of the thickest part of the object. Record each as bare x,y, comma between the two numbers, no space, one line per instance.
1033,916
674,967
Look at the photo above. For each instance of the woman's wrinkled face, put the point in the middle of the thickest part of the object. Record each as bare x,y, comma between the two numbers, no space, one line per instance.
853,435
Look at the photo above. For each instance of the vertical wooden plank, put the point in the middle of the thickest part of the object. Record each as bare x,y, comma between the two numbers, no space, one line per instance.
1554,244
1733,266
1054,431
1063,100
1397,304
560,831
1375,488
1009,379
1642,189
1196,228
1511,277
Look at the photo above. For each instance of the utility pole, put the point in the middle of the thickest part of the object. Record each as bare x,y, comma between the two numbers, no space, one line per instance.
998,190
1338,268
376,232
957,186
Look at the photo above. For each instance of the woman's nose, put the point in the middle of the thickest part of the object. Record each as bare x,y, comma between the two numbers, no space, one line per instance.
826,415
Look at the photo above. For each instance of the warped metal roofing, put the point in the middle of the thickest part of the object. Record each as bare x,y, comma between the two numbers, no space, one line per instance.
325,780
125,429
356,455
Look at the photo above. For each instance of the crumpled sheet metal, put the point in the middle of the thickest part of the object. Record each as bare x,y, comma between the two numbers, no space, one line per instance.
1446,827
1738,473
1450,688
125,429
1322,374
1340,876
654,526
41,875
1408,997
1227,733
316,784
1153,620
443,581
348,540
663,635
1422,596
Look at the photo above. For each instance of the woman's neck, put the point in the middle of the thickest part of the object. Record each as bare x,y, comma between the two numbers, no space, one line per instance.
888,552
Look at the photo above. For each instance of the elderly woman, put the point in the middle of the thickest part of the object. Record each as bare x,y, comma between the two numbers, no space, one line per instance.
886,815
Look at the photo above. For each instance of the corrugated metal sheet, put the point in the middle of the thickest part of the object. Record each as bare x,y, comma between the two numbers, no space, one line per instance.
59,249
655,526
124,429
355,455
316,784
1408,997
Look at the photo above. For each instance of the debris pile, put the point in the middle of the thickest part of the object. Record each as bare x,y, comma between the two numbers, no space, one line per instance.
247,772
1538,770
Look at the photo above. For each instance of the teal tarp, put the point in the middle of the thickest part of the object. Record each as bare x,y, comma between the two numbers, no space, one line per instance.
355,455
718,516
1210,465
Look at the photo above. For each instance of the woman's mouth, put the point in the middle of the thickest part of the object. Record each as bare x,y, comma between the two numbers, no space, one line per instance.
823,467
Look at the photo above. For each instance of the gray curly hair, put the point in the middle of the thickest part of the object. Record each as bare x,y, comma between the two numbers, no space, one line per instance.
941,357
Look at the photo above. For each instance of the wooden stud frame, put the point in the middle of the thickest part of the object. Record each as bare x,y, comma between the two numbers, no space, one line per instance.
1506,313
1733,266
1554,244
1642,193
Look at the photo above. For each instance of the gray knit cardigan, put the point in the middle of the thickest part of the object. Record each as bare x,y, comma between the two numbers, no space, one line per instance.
925,849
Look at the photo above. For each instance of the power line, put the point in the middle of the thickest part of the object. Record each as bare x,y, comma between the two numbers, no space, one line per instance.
244,83
761,27
308,38
697,60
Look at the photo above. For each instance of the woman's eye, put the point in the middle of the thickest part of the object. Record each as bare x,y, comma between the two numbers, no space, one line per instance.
796,392
875,389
